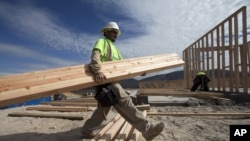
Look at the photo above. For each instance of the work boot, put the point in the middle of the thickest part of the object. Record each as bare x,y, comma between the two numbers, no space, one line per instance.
153,131
87,134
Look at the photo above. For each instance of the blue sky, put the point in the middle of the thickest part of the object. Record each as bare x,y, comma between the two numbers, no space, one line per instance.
44,34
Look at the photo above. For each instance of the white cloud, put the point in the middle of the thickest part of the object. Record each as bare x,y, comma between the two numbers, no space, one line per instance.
165,26
42,26
23,52
170,26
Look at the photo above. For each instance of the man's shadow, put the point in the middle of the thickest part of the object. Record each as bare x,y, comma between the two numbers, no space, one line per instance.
71,135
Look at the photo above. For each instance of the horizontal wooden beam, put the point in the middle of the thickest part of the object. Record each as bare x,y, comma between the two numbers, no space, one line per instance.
178,93
58,108
70,104
199,114
45,115
74,108
27,86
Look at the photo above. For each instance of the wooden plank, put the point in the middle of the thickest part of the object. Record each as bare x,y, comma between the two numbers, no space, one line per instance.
111,64
118,130
113,131
69,72
164,90
45,115
75,101
61,73
40,84
199,114
219,98
124,132
61,103
129,133
69,104
58,108
105,129
177,93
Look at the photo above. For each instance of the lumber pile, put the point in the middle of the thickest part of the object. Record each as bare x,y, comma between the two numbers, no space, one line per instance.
64,106
81,102
27,86
118,130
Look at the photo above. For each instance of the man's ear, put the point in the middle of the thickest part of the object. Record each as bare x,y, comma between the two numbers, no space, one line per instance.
105,34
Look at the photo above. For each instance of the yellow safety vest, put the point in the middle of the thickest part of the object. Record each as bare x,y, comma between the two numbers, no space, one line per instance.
102,44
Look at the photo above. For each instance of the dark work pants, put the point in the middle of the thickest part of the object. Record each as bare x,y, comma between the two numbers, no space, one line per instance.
204,86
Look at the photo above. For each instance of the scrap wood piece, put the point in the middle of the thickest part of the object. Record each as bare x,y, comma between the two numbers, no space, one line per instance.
105,129
14,89
220,98
143,107
199,114
45,115
58,108
222,101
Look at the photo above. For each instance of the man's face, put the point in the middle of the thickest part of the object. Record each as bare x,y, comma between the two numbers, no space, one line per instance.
111,34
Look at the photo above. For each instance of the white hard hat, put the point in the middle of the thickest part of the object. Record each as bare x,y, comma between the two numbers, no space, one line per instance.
111,25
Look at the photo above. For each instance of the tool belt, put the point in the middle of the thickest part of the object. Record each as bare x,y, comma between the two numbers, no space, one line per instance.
105,95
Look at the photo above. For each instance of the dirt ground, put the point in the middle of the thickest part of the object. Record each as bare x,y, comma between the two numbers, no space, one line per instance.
187,128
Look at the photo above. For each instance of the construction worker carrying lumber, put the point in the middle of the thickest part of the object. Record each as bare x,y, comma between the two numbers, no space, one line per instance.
105,50
202,80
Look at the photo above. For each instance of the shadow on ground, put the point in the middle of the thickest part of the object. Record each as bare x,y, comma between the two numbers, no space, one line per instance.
71,135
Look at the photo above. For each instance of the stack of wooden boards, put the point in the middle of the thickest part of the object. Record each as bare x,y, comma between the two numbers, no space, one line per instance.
27,86
116,129
71,105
